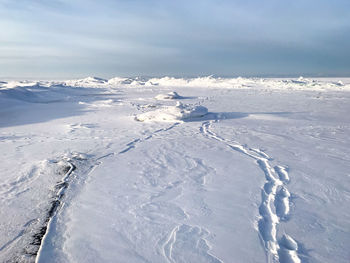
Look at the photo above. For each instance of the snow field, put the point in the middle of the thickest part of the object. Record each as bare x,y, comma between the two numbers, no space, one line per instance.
231,170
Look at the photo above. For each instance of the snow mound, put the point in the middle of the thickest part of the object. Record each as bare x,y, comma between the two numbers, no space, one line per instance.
176,113
18,93
118,81
170,96
127,81
30,92
15,84
86,82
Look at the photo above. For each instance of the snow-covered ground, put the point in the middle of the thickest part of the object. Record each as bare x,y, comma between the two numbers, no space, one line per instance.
175,170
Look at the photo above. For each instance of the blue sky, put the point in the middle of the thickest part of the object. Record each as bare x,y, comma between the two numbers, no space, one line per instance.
77,38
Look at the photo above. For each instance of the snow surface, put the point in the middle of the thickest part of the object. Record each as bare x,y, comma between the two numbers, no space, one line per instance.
127,170
175,113
170,96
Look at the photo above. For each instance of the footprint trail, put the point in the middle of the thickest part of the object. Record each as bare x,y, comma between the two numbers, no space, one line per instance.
274,206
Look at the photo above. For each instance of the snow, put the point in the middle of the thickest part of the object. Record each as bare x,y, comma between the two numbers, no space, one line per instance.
236,83
231,170
89,81
175,113
170,96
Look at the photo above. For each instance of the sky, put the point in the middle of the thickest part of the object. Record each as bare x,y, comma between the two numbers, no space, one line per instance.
108,38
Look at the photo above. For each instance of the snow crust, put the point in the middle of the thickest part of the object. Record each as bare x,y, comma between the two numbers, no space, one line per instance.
262,177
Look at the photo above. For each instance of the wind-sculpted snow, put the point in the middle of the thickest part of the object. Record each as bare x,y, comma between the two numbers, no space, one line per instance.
200,82
235,83
87,82
212,170
35,93
246,83
56,175
187,243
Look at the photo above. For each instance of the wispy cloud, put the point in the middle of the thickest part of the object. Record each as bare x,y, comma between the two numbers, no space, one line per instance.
159,37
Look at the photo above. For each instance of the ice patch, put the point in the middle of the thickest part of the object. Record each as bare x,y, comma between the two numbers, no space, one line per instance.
173,113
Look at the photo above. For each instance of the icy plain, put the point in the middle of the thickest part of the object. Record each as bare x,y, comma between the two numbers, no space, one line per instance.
175,170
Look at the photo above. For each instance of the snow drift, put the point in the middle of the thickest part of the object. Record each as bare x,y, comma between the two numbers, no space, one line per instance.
170,96
176,113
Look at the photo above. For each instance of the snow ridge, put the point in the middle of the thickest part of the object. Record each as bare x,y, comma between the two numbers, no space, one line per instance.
71,163
274,206
55,205
199,82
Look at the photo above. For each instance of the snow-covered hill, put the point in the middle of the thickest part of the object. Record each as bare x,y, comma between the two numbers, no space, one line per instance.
175,170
